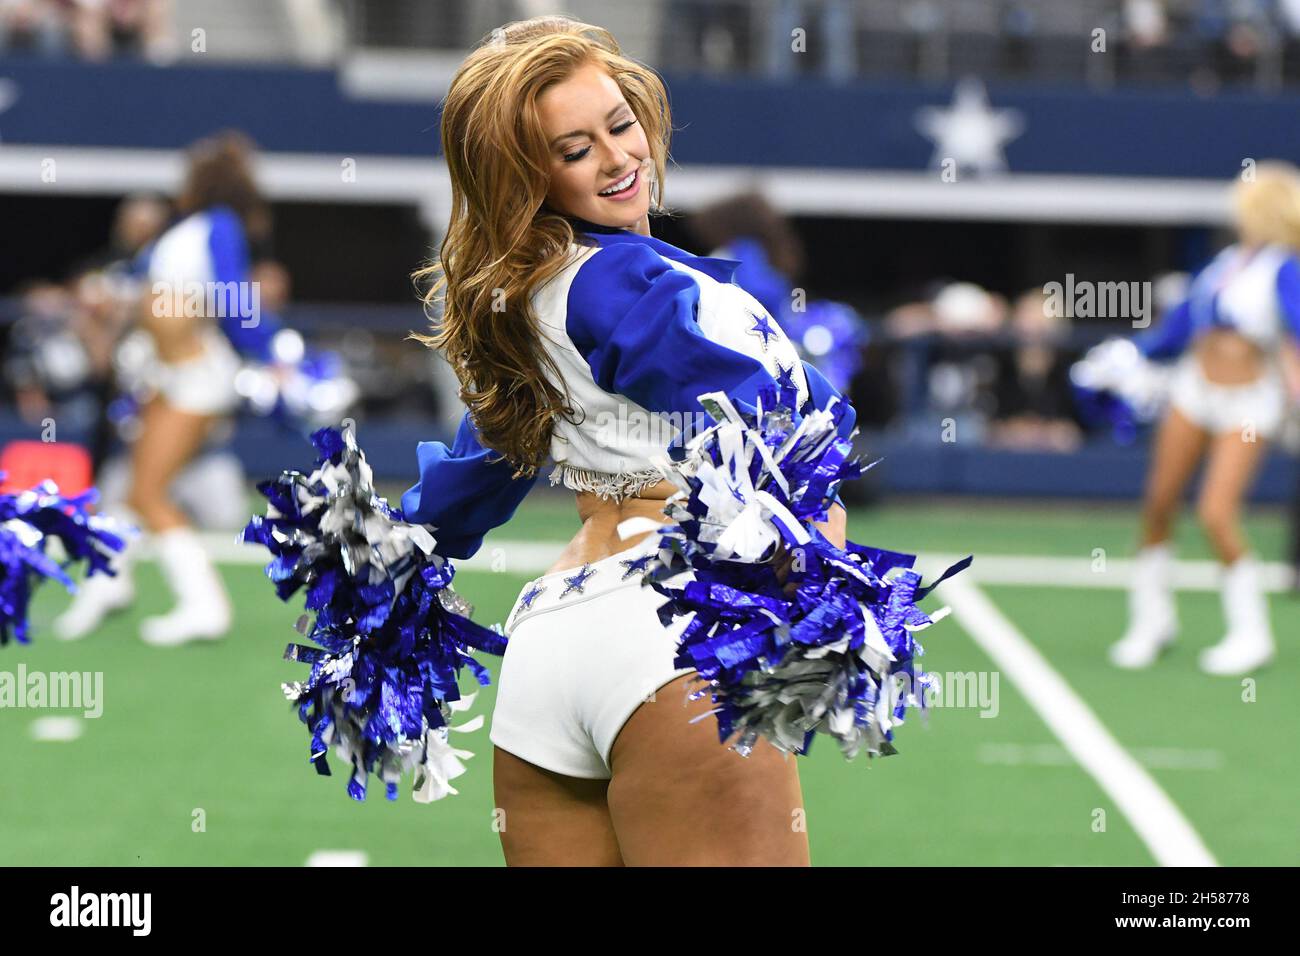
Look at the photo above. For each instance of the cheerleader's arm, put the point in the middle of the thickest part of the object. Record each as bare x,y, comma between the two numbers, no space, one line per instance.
464,491
1171,335
250,334
632,317
1288,297
1288,294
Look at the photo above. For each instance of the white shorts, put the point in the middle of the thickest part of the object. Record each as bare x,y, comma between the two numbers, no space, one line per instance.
1260,404
205,384
584,652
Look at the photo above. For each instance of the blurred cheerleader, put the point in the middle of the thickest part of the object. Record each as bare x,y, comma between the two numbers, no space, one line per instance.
1227,403
556,146
198,303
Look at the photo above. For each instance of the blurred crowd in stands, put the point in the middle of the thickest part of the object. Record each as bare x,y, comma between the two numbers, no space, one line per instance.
89,29
1204,43
1201,42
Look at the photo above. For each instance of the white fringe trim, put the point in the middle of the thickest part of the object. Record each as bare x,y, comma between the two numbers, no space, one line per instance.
604,484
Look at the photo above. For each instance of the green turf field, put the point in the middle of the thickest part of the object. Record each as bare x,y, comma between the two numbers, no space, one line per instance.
202,733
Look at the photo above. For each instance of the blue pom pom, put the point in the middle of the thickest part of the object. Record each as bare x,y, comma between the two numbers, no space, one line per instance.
28,521
297,386
828,658
1116,387
392,634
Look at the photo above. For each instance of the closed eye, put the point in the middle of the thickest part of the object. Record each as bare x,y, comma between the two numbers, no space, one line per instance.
617,131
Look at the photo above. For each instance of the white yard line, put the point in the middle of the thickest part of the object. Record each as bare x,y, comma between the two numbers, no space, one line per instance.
338,858
1054,755
1041,570
55,728
1158,821
507,557
534,557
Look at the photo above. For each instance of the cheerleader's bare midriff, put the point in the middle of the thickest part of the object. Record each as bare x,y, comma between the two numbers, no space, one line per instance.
1230,358
598,537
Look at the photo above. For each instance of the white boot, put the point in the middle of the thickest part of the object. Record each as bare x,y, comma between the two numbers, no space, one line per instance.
1249,642
1153,621
100,595
202,609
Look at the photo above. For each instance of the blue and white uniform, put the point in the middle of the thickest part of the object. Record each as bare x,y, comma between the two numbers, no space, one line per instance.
638,329
204,257
1254,292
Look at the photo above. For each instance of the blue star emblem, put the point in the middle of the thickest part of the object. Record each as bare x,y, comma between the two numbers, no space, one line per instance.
636,565
577,582
785,376
763,328
531,595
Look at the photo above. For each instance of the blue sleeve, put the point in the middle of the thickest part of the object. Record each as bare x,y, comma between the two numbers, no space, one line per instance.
1170,336
464,492
250,334
1288,294
632,317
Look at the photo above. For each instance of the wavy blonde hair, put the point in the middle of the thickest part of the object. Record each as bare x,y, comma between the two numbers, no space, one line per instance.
1267,207
503,243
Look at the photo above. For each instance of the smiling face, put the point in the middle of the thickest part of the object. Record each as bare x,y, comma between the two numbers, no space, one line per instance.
595,147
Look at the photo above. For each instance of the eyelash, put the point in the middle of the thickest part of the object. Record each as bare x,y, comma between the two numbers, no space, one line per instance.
618,131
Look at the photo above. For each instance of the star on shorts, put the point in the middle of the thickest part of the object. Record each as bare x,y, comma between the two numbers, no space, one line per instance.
531,595
577,582
636,565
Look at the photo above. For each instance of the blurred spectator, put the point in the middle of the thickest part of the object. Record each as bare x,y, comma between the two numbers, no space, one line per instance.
96,29
956,308
274,285
1145,23
1035,408
33,25
104,28
704,36
138,220
832,44
949,373
59,361
43,359
60,356
1233,35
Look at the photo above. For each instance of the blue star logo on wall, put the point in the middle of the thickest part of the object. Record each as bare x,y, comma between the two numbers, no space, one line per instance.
636,565
970,133
577,582
763,328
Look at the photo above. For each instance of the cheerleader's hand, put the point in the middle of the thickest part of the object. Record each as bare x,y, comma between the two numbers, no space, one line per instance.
834,528
781,565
